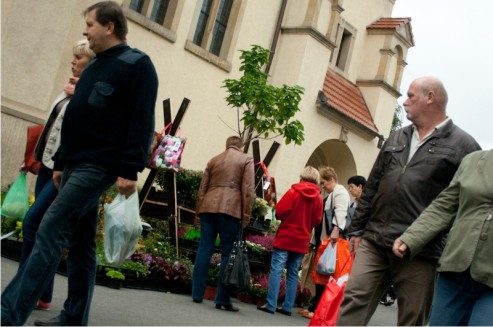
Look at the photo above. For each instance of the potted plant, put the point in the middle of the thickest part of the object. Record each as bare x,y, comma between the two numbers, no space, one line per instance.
258,290
260,208
116,278
180,277
187,185
212,277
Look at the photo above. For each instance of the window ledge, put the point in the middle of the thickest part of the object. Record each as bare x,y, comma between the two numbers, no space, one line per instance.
151,25
207,56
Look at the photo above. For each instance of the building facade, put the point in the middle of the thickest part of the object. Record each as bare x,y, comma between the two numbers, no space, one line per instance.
349,55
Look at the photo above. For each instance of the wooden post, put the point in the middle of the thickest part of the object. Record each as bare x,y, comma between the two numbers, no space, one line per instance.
164,208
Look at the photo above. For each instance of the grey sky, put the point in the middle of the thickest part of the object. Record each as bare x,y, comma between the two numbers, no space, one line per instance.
453,43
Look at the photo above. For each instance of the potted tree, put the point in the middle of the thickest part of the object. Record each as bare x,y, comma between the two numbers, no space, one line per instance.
263,109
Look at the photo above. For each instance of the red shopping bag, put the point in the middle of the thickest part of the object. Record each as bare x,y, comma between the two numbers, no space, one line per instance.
328,306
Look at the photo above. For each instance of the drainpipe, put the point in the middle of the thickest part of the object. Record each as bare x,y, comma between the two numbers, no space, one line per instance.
273,46
277,31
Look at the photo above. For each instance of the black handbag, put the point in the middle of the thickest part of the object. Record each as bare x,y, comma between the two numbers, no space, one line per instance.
236,275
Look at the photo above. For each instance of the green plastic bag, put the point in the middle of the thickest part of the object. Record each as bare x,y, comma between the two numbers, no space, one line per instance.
16,201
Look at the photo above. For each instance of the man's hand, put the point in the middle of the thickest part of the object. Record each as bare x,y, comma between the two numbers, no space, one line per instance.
57,178
354,243
126,186
400,248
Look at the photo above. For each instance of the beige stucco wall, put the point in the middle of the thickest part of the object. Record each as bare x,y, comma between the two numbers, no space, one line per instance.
36,57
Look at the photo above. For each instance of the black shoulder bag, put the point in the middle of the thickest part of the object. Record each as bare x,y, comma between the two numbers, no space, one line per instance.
236,276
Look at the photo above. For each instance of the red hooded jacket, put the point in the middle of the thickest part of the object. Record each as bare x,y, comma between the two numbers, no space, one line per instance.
299,211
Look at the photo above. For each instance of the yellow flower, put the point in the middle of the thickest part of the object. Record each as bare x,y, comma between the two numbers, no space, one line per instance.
31,199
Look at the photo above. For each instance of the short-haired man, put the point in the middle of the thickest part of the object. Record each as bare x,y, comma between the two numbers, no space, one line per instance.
415,164
106,135
224,205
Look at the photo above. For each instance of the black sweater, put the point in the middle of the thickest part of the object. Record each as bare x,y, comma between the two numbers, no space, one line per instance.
110,118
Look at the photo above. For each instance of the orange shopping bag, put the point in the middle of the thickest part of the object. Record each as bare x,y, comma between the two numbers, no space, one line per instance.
319,278
343,261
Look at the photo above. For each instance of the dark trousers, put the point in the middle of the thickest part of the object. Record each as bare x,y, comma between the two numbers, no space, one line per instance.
71,222
210,225
45,192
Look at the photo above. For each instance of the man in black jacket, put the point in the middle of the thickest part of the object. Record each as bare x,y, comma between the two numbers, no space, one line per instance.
415,164
106,135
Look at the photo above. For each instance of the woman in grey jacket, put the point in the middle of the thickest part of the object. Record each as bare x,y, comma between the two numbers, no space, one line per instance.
464,290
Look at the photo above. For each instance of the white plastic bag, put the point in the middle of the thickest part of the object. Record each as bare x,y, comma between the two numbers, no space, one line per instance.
122,228
327,263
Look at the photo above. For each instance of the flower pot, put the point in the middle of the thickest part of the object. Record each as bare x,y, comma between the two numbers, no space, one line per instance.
259,301
115,283
210,293
245,298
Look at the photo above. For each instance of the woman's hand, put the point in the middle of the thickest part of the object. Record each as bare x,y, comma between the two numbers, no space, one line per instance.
23,168
334,236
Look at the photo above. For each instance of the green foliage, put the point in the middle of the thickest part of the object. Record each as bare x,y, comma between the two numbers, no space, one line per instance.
187,180
193,234
140,269
158,244
114,274
260,207
264,108
8,224
397,119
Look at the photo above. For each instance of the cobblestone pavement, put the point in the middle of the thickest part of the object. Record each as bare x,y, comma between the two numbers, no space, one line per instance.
131,307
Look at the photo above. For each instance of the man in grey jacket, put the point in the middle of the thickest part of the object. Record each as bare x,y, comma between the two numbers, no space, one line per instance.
415,164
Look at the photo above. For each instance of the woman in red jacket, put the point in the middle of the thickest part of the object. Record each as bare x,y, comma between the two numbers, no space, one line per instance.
299,211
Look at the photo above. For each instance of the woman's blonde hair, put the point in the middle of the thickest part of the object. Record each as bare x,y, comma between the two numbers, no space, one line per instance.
82,48
310,174
328,173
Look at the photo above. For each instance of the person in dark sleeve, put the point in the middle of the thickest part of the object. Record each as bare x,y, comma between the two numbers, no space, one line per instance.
414,165
106,135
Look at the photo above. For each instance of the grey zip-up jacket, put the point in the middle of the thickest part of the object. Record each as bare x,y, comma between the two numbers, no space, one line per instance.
397,192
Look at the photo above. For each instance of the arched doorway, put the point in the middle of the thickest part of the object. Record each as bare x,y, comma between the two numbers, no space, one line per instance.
337,155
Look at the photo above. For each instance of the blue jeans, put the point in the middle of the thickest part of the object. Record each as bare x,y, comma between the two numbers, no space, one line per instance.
228,228
70,222
461,301
45,192
292,262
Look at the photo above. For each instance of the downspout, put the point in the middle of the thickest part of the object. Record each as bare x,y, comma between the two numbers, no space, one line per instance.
273,46
277,31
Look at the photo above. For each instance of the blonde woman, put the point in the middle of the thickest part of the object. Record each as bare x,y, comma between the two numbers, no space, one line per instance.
48,143
299,211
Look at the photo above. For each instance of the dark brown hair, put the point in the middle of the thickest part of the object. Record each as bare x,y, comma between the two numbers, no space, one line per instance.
110,12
